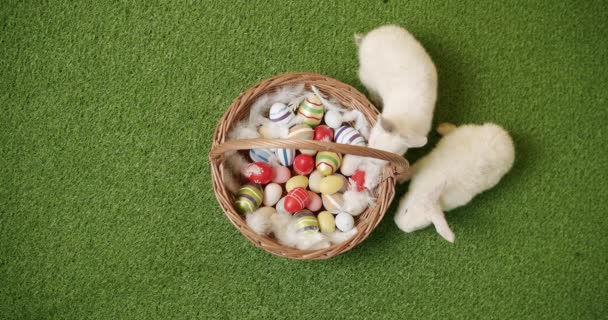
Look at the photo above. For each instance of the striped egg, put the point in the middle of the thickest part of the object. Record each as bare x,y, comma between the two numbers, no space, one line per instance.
285,156
262,155
333,203
249,197
306,222
302,132
311,110
280,113
328,162
349,135
296,200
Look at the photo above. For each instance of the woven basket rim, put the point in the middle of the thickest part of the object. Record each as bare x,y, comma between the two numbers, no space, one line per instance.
349,97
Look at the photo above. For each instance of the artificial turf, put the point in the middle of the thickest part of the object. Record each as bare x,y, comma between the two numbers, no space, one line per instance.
106,204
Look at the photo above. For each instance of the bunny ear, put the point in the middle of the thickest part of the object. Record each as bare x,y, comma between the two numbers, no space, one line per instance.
442,226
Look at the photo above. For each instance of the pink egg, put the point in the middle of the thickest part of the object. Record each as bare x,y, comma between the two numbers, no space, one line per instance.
315,202
281,174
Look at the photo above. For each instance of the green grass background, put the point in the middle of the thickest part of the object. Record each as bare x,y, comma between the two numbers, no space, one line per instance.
107,209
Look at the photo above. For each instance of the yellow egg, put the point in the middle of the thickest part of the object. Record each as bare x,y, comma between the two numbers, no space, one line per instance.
331,184
327,223
313,181
345,181
297,181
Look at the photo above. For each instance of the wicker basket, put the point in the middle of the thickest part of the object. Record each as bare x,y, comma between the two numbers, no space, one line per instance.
349,97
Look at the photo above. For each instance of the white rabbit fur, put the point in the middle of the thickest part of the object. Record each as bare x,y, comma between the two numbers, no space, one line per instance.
467,161
399,75
284,228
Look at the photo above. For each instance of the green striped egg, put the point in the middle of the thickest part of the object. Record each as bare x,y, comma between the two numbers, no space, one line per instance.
333,203
311,110
306,222
249,198
328,162
302,132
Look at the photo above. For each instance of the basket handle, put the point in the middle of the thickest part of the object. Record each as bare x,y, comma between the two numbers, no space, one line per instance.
397,164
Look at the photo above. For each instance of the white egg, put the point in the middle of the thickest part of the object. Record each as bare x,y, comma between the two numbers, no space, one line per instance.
345,222
314,181
281,206
272,194
333,119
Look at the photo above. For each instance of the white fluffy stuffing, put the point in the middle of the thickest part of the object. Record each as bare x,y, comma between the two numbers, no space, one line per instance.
355,202
259,220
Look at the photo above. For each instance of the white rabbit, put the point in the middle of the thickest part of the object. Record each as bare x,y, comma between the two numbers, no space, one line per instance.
469,159
399,75
396,69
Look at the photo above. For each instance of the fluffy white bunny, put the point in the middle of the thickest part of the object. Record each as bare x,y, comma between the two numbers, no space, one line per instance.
399,75
468,160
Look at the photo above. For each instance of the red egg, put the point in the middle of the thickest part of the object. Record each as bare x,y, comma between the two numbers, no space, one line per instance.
323,133
296,200
357,180
303,164
258,172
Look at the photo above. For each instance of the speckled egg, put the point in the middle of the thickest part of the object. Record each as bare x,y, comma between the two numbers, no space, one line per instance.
306,221
295,182
327,223
280,113
311,110
345,222
331,184
328,162
258,172
249,197
349,135
285,156
333,203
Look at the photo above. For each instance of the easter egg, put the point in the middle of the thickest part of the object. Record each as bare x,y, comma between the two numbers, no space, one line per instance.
331,184
349,135
333,119
333,203
302,132
285,156
280,113
249,197
311,110
272,194
258,172
295,182
313,181
323,133
281,174
306,221
345,222
357,180
303,164
281,206
327,224
344,181
296,200
262,155
328,162
315,202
